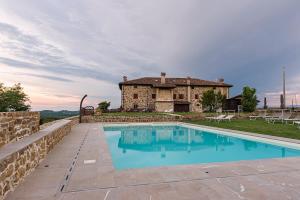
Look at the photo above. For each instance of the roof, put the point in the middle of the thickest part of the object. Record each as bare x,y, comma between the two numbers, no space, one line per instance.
239,97
166,85
155,81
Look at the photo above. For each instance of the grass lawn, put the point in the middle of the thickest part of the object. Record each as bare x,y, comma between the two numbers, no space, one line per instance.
255,126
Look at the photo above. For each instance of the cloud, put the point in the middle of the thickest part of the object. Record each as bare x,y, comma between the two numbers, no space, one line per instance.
29,52
53,78
245,42
61,70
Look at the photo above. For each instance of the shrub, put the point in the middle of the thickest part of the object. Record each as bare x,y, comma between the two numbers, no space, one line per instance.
104,105
249,99
211,101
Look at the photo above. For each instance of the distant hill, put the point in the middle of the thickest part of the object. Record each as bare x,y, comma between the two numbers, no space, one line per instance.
58,114
50,115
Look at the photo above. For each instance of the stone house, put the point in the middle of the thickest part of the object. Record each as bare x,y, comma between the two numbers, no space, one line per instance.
163,94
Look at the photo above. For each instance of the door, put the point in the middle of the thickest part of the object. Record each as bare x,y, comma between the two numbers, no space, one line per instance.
181,108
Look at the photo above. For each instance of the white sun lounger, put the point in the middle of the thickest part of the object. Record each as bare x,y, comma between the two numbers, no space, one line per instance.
285,116
255,117
293,120
297,123
215,118
228,117
273,116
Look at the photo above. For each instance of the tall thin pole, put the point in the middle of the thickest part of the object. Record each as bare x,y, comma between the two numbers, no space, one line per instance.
283,79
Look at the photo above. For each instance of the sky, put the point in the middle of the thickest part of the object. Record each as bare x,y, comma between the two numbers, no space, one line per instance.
61,50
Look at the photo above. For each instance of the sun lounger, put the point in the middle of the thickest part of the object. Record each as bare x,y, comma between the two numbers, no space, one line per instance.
285,116
292,119
273,116
297,123
255,117
215,118
228,117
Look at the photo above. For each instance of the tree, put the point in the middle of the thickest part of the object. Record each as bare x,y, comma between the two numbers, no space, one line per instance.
211,101
249,100
265,103
13,98
103,106
281,101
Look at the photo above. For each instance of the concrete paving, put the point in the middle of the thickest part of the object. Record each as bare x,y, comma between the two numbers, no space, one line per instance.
80,167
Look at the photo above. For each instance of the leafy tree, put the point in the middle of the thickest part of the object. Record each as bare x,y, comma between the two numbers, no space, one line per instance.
265,103
281,101
211,101
104,105
13,98
249,99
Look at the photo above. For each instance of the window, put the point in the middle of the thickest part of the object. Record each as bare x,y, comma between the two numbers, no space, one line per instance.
135,106
196,96
153,96
181,96
174,96
135,86
135,96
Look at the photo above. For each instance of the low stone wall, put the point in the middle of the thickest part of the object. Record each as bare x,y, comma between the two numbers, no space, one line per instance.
20,158
17,125
150,118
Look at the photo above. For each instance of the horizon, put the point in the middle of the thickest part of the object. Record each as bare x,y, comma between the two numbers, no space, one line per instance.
60,51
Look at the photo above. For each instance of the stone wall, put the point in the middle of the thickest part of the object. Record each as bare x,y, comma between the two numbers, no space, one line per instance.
183,91
164,106
196,106
163,94
144,99
150,118
20,158
17,125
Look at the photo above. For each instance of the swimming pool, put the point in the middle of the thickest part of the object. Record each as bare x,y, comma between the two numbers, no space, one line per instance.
140,146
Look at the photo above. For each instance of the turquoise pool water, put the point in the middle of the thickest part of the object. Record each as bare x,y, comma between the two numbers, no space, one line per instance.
150,146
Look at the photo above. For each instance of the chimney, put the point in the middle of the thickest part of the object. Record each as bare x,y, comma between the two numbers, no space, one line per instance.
124,78
188,80
162,77
220,80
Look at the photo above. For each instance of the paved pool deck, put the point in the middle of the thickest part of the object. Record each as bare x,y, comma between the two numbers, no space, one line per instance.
80,167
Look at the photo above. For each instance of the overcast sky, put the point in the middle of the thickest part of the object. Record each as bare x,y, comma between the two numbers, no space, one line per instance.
60,50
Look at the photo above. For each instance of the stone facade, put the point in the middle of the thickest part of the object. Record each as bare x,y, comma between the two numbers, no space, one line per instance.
164,106
161,96
16,125
20,158
144,97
